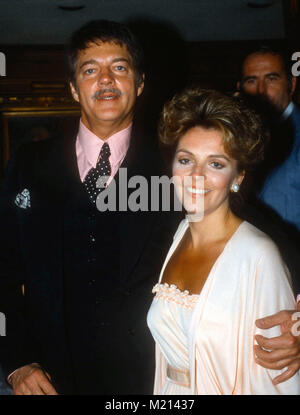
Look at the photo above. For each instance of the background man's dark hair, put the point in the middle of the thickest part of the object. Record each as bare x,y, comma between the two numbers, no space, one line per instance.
104,31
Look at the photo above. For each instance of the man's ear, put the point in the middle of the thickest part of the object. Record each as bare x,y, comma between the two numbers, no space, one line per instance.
293,84
74,91
141,85
238,86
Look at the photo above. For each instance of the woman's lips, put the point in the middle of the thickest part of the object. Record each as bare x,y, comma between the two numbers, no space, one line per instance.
196,191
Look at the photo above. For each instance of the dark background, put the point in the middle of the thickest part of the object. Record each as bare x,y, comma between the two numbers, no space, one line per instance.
186,41
190,41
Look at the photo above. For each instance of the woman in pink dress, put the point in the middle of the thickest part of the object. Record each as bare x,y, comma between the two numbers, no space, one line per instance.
221,273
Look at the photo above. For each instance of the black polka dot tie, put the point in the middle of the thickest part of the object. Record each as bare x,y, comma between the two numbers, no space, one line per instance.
95,180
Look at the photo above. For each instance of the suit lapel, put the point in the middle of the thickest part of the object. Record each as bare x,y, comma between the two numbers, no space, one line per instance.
135,227
58,171
57,174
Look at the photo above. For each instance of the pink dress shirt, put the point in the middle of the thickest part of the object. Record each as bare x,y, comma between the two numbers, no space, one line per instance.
88,147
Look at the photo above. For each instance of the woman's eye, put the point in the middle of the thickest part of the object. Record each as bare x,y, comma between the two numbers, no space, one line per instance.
183,161
216,165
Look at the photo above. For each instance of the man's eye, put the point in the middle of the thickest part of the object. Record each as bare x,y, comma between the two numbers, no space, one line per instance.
120,68
89,71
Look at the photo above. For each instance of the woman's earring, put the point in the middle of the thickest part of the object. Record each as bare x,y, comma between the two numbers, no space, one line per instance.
235,187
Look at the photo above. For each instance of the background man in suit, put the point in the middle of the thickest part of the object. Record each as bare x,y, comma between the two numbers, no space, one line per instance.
267,82
80,325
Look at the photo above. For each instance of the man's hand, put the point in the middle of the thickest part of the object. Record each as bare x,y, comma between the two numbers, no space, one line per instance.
31,380
282,351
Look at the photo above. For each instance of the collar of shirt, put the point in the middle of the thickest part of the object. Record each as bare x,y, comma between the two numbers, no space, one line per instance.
88,147
287,112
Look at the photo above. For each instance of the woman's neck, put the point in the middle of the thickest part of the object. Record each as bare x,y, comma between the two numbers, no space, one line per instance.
217,226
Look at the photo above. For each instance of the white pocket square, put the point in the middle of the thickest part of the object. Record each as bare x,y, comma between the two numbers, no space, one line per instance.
23,199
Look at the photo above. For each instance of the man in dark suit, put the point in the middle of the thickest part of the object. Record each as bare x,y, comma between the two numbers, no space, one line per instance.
80,326
76,282
267,83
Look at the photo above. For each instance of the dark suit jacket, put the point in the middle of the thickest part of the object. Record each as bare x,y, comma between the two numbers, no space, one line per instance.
274,192
31,254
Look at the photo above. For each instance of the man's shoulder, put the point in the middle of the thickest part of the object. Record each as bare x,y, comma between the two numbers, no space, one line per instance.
43,150
35,159
296,114
144,154
32,147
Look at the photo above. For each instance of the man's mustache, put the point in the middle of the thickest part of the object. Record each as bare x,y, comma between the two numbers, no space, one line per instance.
102,91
